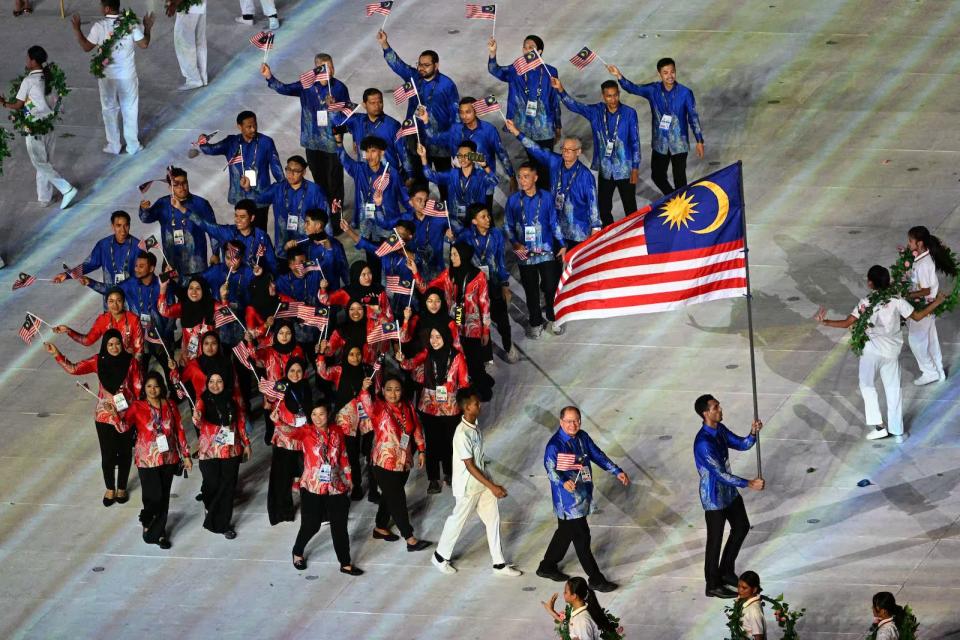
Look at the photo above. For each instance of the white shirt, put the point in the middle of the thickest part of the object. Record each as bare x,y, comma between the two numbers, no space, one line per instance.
197,9
121,63
924,274
31,92
582,626
753,623
887,630
885,337
467,443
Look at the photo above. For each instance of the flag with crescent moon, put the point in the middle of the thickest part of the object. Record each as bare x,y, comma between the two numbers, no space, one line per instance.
686,248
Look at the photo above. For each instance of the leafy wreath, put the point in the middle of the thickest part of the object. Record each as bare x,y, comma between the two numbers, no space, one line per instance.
124,25
900,279
786,618
5,137
185,5
562,627
858,333
26,124
907,627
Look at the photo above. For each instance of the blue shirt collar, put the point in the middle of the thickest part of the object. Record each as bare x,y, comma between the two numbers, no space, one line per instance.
711,430
564,437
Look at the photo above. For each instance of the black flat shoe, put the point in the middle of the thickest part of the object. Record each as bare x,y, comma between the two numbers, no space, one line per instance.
299,565
730,580
720,592
433,486
124,499
108,501
556,575
164,543
352,571
604,587
229,534
419,545
389,537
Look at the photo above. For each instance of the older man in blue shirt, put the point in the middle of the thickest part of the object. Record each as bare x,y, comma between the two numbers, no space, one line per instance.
719,496
672,110
567,460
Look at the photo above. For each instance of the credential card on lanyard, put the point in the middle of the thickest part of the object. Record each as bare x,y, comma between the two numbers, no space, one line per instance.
608,151
530,233
531,109
251,175
665,121
178,236
293,223
322,118
162,445
323,475
404,441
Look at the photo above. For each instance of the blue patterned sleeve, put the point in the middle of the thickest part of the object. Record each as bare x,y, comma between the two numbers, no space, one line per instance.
633,139
597,455
705,456
289,89
577,107
498,72
693,118
398,66
737,442
275,167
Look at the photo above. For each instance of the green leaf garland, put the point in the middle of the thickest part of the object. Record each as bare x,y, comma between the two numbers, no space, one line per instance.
907,627
185,5
124,25
23,122
562,627
5,137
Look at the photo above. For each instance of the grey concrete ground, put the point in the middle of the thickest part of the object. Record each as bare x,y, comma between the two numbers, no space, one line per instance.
844,116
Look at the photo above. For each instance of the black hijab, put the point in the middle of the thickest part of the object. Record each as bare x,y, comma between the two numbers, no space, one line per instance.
432,320
219,408
354,333
438,361
218,363
279,347
351,380
466,272
112,370
193,313
356,291
263,303
298,397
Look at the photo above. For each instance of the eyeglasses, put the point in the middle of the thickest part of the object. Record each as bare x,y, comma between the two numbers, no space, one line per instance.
566,149
293,170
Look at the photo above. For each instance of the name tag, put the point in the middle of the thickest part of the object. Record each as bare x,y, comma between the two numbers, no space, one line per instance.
120,277
323,475
178,236
486,270
531,109
162,445
585,474
608,151
461,210
441,393
120,402
293,223
300,420
404,440
251,175
558,201
225,436
530,233
322,119
665,121
369,210
361,412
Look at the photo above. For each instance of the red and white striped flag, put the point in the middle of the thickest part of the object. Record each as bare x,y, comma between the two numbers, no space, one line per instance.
568,462
407,128
272,391
482,11
378,363
262,40
435,209
346,109
244,354
288,310
152,336
584,57
383,181
24,280
308,78
381,8
222,316
685,248
384,332
398,286
73,274
486,105
527,62
391,244
236,159
30,328
314,316
404,92
521,253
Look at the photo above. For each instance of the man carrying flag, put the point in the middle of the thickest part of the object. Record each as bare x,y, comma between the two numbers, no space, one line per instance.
291,198
532,103
256,243
468,183
115,255
431,227
376,123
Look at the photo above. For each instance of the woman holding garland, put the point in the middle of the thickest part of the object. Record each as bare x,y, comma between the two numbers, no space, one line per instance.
584,618
930,256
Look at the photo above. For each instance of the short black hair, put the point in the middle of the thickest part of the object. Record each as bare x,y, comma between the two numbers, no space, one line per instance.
463,395
419,186
466,100
434,57
702,403
474,209
372,91
294,252
610,84
113,5
318,215
247,205
408,225
177,172
149,257
879,276
244,115
527,165
298,160
537,42
665,62
119,214
469,144
373,141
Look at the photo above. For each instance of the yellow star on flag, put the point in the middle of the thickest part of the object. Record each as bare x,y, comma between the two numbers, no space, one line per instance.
679,210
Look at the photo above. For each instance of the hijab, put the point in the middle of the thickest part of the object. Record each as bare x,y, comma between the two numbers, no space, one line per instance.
260,299
220,408
218,363
438,361
193,313
430,320
354,333
279,347
356,291
298,397
466,272
351,380
112,370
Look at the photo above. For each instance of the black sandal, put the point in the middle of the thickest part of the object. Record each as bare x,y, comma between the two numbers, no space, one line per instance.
299,565
352,571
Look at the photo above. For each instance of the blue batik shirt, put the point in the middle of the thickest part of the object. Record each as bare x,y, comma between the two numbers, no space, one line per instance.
620,128
312,135
531,87
113,258
290,208
532,222
462,191
238,296
488,253
488,142
257,237
428,243
332,261
184,242
377,221
439,95
718,486
575,189
360,126
677,103
566,505
260,154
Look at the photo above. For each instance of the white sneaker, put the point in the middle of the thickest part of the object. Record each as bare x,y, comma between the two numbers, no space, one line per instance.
111,150
926,378
189,86
507,571
273,23
242,20
133,150
443,566
900,438
941,375
68,198
512,356
557,329
877,434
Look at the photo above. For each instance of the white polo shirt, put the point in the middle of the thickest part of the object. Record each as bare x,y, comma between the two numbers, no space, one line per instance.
31,92
122,64
924,274
582,625
467,443
753,623
885,336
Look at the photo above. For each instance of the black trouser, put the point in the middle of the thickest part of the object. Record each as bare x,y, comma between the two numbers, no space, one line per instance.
393,501
314,510
577,531
219,488
536,278
155,485
327,172
628,196
366,448
438,433
116,455
284,467
658,171
715,566
268,427
543,173
474,352
501,319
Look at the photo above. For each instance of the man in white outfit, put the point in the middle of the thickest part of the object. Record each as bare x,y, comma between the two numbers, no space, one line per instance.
269,10
120,87
473,491
190,41
922,336
881,353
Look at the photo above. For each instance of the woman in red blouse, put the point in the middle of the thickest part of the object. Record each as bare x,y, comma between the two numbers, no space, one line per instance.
212,359
159,451
119,375
323,489
195,311
442,370
258,317
434,313
364,290
397,434
115,317
223,445
288,416
273,360
352,332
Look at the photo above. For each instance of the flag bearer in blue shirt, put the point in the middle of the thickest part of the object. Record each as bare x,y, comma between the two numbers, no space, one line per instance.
719,496
253,239
465,184
616,147
429,235
115,255
376,123
672,110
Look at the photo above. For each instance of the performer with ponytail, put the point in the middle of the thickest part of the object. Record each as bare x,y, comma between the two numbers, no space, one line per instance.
930,256
584,618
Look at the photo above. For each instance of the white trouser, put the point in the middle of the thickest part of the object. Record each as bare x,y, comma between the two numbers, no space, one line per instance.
40,150
268,6
925,345
120,96
485,504
190,43
889,368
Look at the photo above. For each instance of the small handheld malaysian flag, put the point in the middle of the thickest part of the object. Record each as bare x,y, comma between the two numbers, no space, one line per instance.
308,78
288,310
262,40
384,332
391,244
380,8
30,328
272,391
583,58
222,316
407,128
72,274
522,253
152,336
404,92
244,354
486,105
147,243
568,462
145,186
435,209
236,159
383,181
24,280
482,11
314,316
398,286
528,61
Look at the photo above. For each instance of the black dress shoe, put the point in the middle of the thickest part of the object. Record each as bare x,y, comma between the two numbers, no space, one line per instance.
300,565
433,487
419,545
389,537
720,592
603,587
229,534
124,499
164,543
731,580
108,501
352,571
556,575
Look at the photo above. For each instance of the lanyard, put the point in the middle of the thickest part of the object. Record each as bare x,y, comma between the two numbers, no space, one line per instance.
141,308
156,419
559,188
323,445
286,198
126,259
428,99
536,209
368,125
321,98
371,178
465,183
256,148
229,421
398,420
667,97
436,373
526,85
606,125
177,217
482,253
